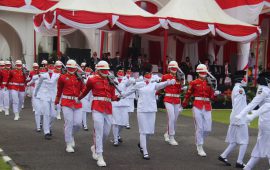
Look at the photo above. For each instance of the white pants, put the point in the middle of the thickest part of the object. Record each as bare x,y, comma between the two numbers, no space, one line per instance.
49,115
102,127
203,124
173,111
73,122
6,98
2,98
37,107
17,100
84,119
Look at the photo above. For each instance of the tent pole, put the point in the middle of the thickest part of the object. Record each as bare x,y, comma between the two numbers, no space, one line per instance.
165,50
257,58
101,43
58,40
35,47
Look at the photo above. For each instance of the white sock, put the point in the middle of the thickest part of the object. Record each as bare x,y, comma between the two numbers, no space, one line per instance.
242,151
228,150
251,163
143,143
115,133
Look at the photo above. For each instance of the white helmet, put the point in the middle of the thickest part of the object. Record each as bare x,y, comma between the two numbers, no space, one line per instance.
102,65
83,64
44,62
71,64
58,63
173,64
7,62
201,68
35,65
2,63
19,62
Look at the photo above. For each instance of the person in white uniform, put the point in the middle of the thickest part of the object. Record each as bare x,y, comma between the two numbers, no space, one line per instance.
147,107
46,92
119,109
2,66
130,98
262,98
238,130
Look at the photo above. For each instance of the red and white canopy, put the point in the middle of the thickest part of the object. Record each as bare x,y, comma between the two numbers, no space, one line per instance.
31,6
244,10
203,17
85,14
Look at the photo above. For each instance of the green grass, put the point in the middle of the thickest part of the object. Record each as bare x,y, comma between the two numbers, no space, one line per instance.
221,116
4,166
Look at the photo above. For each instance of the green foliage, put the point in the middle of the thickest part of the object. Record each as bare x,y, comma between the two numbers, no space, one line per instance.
3,165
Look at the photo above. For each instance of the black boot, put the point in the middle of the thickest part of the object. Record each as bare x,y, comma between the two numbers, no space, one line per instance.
224,160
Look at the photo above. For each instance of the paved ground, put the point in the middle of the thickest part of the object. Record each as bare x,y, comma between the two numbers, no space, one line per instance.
31,152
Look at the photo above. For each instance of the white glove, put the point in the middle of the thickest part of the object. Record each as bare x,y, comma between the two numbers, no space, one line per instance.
238,118
171,82
249,118
217,92
184,88
77,100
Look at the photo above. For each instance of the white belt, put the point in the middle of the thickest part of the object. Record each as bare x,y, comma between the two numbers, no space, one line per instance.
4,82
202,99
103,99
172,95
17,84
69,97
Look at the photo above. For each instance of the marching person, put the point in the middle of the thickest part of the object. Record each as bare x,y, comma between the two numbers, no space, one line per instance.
58,70
2,67
203,93
68,90
131,97
119,109
44,64
83,66
262,98
36,103
87,100
32,73
172,102
147,107
46,92
238,130
17,82
5,87
103,94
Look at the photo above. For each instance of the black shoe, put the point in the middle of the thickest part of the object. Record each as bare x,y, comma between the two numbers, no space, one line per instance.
85,129
38,130
139,146
120,140
238,165
50,133
47,136
128,127
146,157
224,160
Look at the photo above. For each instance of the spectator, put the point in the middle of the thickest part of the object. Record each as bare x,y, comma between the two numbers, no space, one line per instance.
94,60
252,60
226,72
216,71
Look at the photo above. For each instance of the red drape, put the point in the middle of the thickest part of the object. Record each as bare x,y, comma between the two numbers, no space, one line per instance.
154,52
229,49
150,7
179,51
125,46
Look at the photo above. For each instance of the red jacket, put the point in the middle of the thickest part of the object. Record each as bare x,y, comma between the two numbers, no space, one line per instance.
200,88
16,80
4,75
69,85
172,89
100,88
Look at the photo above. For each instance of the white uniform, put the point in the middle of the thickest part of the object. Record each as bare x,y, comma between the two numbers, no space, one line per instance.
36,103
146,109
120,110
238,130
131,97
86,107
46,91
262,147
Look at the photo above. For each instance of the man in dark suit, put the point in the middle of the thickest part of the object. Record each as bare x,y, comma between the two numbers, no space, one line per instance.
216,71
94,60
